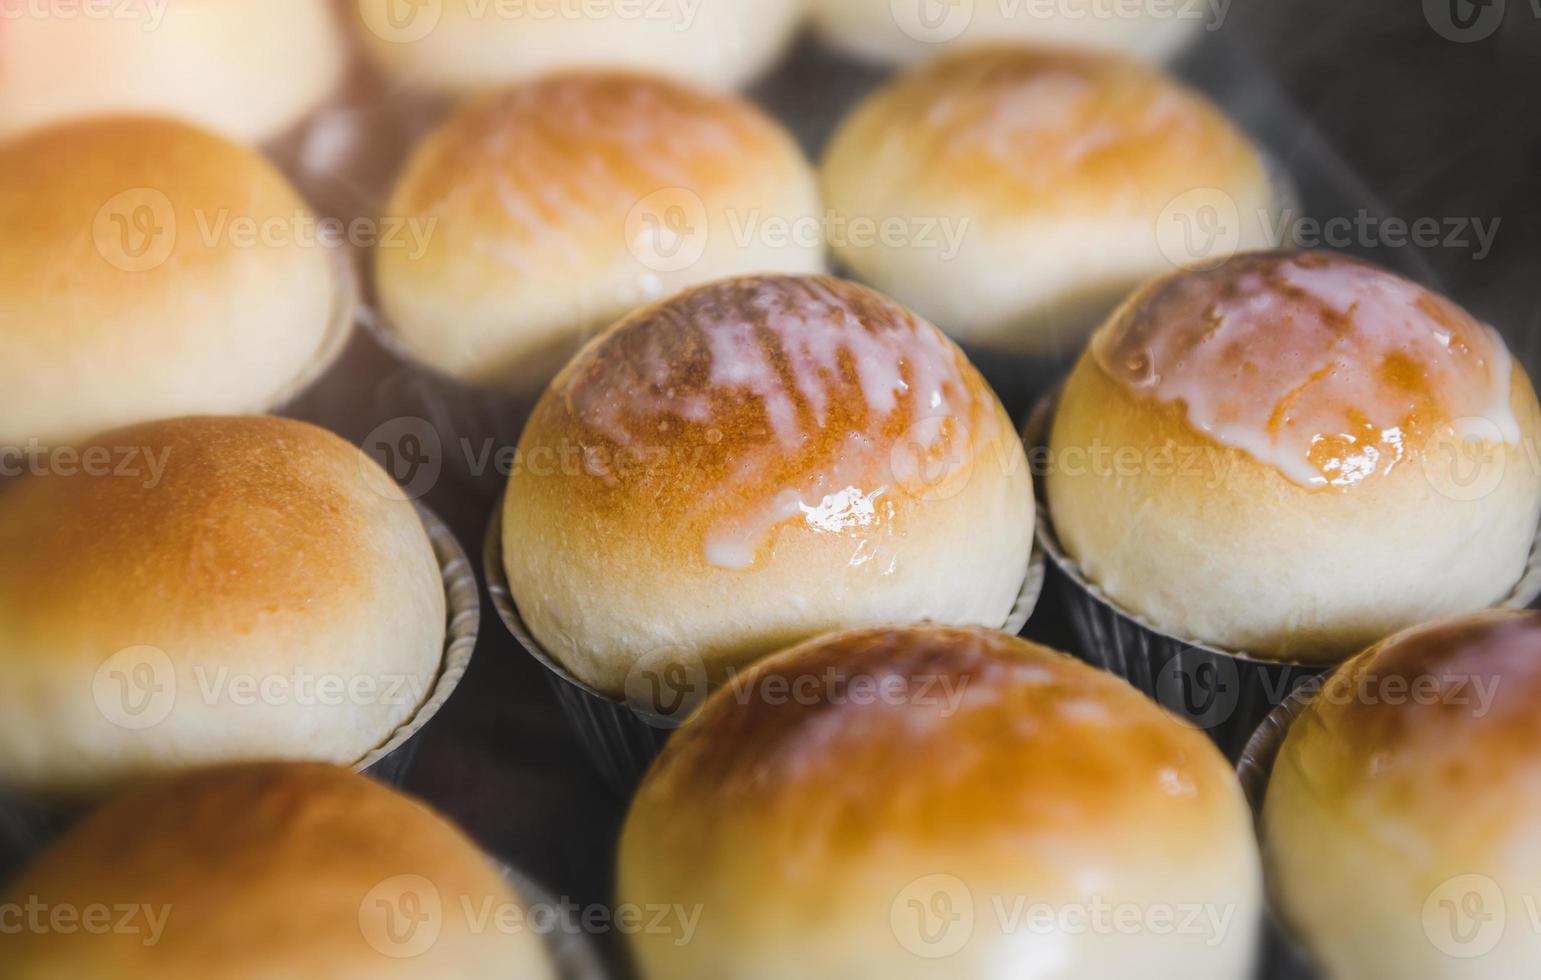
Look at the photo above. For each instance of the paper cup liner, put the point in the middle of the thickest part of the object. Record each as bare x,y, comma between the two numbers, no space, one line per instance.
27,826
573,951
1283,957
618,737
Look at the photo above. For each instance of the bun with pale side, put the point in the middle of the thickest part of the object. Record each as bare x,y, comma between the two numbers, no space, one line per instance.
557,207
938,802
1035,188
202,590
465,45
270,870
1294,455
1401,819
151,269
754,462
249,69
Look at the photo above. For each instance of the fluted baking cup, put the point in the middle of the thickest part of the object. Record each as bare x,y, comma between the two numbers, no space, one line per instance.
1283,957
27,826
572,949
618,737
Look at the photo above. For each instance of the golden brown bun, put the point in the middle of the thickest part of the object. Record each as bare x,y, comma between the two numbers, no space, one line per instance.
1217,538
1401,818
542,202
877,803
907,30
755,462
1037,187
208,589
462,45
128,290
269,870
245,68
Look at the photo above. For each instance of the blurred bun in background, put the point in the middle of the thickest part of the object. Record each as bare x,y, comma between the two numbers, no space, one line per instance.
941,803
1023,192
461,45
556,207
1312,452
151,269
208,590
1401,821
273,870
752,463
908,30
246,68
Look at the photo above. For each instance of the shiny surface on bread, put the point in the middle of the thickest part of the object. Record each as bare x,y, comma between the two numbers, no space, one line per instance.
1324,366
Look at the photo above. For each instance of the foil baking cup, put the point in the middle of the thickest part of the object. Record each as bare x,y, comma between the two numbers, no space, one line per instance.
573,950
1224,692
618,736
1283,957
26,826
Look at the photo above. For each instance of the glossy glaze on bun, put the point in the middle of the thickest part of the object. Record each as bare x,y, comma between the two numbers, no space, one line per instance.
821,802
465,45
910,30
1401,818
754,462
137,282
270,870
1272,457
249,69
208,589
1059,180
559,206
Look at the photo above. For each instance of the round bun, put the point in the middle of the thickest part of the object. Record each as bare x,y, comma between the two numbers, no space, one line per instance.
271,870
1035,188
941,802
1314,453
208,589
907,30
1401,818
756,462
462,45
246,68
137,280
557,207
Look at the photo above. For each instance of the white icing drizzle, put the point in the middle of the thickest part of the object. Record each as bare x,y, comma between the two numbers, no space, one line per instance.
1327,368
797,348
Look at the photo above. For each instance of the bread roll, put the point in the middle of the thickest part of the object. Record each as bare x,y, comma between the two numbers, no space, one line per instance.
268,870
941,802
755,462
246,68
202,590
557,207
1014,195
907,30
1401,819
461,45
1295,455
150,269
